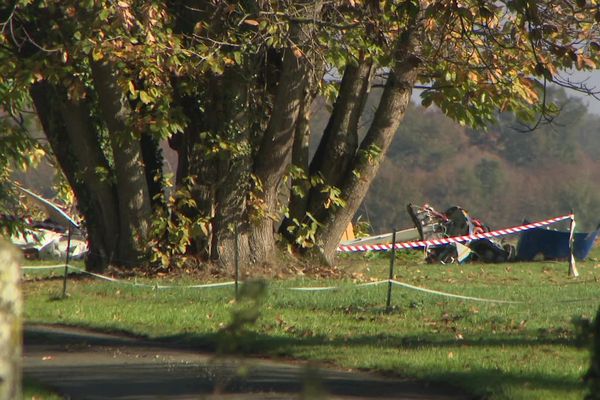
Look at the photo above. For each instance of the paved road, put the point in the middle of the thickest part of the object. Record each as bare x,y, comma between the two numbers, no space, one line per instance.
87,365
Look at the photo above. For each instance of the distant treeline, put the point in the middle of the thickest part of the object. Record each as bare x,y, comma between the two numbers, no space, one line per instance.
501,175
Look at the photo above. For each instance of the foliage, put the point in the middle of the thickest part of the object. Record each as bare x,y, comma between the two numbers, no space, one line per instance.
19,152
172,229
489,174
244,316
34,390
304,230
362,228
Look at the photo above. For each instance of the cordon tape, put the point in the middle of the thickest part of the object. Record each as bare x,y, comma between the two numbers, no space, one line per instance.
454,239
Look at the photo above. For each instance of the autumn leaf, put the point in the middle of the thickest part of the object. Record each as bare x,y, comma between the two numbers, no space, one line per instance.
97,55
145,97
297,52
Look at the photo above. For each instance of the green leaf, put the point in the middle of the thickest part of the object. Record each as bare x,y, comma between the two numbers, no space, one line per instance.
145,97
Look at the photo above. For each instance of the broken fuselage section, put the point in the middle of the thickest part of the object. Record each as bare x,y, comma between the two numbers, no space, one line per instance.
456,221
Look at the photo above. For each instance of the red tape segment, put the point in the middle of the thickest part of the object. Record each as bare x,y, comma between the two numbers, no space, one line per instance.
455,239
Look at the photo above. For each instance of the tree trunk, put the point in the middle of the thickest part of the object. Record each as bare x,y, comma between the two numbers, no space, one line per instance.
131,182
231,213
274,155
229,119
364,167
74,141
195,171
340,138
11,324
300,185
153,163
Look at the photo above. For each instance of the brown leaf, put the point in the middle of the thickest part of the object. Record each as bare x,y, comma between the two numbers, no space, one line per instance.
299,54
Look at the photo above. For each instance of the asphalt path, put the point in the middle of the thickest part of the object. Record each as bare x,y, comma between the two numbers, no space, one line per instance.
81,364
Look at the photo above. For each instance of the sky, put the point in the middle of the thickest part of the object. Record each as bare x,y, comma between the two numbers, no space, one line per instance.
592,80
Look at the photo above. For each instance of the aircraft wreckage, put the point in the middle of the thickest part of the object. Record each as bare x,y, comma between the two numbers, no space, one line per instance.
49,239
434,231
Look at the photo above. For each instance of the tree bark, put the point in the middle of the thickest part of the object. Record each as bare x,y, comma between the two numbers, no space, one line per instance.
195,171
74,141
364,167
230,121
340,138
300,186
131,182
11,324
274,155
153,164
338,146
231,213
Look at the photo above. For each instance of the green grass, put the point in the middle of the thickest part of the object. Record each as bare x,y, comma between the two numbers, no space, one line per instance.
32,390
504,351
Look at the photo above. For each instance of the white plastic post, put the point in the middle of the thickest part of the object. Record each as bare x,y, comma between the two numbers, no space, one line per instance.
572,266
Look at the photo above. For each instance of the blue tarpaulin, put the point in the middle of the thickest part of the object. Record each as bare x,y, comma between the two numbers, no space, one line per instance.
554,244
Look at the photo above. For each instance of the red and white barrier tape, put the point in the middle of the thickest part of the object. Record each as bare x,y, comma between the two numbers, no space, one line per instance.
455,239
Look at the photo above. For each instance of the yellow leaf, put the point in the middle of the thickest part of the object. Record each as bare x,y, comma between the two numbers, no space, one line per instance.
39,153
430,24
145,97
132,88
589,63
97,55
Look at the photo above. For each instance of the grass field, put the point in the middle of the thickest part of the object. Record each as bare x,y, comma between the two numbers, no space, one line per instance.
32,390
528,350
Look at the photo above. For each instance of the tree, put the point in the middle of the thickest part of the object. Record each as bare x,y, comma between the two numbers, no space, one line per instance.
11,306
490,177
231,85
88,131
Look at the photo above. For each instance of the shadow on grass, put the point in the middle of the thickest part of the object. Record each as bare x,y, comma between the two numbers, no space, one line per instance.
484,382
477,380
256,342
